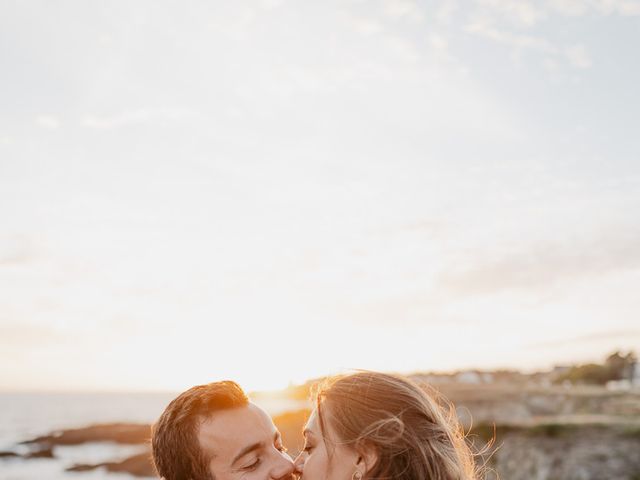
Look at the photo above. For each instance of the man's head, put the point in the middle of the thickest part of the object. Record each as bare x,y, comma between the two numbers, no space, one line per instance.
213,432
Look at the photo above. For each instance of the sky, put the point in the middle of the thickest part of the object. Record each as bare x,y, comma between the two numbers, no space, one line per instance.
271,190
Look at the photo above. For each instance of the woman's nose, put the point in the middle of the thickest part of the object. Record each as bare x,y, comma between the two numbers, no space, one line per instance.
299,463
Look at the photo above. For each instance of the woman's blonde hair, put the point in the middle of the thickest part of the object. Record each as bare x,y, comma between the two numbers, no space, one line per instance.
413,436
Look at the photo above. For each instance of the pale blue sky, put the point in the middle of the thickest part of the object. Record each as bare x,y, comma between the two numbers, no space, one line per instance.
274,190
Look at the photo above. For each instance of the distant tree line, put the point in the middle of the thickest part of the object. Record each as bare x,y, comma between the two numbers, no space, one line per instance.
616,367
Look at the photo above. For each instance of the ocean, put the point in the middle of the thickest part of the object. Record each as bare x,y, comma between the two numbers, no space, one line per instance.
26,415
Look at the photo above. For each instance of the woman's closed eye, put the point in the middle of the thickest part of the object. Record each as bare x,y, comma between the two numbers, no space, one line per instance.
307,448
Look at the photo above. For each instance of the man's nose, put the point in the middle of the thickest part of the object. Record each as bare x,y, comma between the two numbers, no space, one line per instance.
284,469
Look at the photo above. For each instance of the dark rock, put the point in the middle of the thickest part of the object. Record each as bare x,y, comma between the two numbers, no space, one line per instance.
42,453
46,452
8,454
139,465
82,467
125,433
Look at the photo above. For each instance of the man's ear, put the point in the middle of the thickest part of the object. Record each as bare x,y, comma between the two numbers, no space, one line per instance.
367,458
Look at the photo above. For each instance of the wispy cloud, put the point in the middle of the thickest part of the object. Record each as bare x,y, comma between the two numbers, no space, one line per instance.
446,12
602,7
528,13
514,22
50,122
133,117
236,24
592,337
271,4
543,265
15,250
17,336
484,27
520,12
621,7
366,26
578,56
403,48
403,9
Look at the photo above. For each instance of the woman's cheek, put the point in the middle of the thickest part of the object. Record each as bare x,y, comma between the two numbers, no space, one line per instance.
309,472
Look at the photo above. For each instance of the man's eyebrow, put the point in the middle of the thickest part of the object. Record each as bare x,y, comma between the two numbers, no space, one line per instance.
253,447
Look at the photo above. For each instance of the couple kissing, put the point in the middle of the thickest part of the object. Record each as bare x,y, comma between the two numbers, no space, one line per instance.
364,426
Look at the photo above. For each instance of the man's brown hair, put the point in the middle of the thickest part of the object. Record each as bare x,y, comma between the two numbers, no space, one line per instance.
174,441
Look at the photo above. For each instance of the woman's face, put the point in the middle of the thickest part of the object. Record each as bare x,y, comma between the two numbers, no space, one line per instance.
324,458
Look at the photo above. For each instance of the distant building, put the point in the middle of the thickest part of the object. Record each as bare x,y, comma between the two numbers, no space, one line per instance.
469,377
618,385
558,372
635,375
631,382
560,369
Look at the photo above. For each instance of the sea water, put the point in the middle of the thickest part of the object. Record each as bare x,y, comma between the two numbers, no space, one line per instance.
24,416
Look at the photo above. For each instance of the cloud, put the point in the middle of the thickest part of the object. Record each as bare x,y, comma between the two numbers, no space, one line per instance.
271,4
446,11
430,228
49,122
529,14
16,250
519,11
237,23
402,9
592,337
403,48
18,336
366,26
132,117
484,28
571,8
540,266
578,56
439,47
625,8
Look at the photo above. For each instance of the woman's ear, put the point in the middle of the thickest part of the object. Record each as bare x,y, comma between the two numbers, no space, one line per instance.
367,458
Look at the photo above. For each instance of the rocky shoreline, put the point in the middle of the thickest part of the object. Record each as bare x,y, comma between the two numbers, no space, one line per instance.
533,435
141,464
120,433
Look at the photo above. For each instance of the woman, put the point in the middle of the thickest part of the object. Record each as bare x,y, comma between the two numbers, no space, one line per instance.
376,426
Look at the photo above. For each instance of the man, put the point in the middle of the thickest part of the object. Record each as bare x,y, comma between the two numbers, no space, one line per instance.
213,432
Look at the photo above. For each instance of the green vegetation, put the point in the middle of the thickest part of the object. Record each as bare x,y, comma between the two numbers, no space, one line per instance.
632,431
616,367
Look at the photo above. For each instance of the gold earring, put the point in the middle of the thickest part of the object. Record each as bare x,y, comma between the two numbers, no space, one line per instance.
356,475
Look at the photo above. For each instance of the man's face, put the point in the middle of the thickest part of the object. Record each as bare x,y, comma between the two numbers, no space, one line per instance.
243,443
